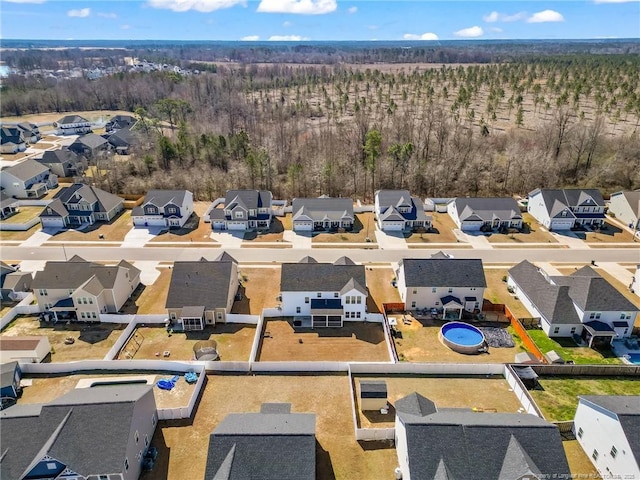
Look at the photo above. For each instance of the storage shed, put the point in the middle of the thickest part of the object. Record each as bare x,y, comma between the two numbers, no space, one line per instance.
554,357
10,376
32,349
526,357
373,394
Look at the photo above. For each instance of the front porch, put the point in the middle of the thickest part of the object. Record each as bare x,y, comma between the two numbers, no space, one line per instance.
37,190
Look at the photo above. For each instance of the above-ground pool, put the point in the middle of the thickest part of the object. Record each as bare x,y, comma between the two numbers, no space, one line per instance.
462,337
633,358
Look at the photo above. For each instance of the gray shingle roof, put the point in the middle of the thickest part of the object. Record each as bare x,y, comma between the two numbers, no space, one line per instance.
201,283
76,272
123,138
6,200
11,135
320,277
68,197
459,444
263,446
26,169
69,119
443,272
249,199
90,140
487,209
63,155
556,200
319,209
160,198
390,200
86,418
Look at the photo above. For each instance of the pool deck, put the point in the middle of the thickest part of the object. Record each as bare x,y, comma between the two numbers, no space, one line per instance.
620,349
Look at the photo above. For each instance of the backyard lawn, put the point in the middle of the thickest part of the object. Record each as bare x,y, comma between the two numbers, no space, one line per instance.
380,288
497,292
568,350
260,287
559,399
150,299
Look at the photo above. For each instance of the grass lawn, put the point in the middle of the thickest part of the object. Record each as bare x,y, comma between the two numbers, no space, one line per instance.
496,292
113,231
355,342
532,233
610,234
559,399
24,214
150,299
442,232
183,446
260,287
567,349
363,228
274,234
19,235
380,288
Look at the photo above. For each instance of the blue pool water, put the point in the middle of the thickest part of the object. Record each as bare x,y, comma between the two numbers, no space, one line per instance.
462,334
634,358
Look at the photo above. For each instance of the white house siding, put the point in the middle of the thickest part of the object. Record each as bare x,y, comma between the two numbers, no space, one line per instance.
622,210
402,450
425,297
609,318
93,306
123,288
292,300
601,431
635,282
453,213
351,310
33,356
537,209
144,422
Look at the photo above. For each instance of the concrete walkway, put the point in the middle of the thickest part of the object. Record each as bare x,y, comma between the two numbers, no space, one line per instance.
618,272
570,239
148,271
390,240
476,241
298,239
38,238
228,239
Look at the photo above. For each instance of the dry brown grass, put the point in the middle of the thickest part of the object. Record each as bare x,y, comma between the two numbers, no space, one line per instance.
24,214
363,228
150,299
380,288
443,226
201,233
355,341
612,234
91,115
183,448
533,234
579,464
92,341
476,392
113,231
260,287
496,292
234,342
6,235
275,233
420,343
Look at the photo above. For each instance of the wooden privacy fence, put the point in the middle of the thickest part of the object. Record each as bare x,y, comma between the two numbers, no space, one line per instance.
528,343
393,307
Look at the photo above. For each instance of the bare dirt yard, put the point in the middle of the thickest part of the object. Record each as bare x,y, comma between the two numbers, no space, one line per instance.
363,228
380,289
484,394
260,287
275,232
91,341
234,342
150,299
48,118
195,230
420,343
580,465
183,446
113,231
496,291
610,234
355,342
442,231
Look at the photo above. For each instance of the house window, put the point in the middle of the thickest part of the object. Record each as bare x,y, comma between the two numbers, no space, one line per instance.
136,436
556,330
592,315
146,440
476,305
580,432
297,309
347,300
450,290
336,295
614,452
434,290
154,419
413,304
81,314
238,214
172,209
358,314
126,464
71,291
93,314
437,303
43,291
415,291
306,299
622,315
594,455
319,295
359,300
626,330
573,330
90,301
598,315
172,316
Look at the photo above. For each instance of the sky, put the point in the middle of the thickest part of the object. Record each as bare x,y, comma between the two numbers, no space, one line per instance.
317,20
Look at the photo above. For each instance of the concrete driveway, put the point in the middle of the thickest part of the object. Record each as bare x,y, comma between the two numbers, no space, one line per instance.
139,236
476,241
39,237
298,239
228,239
390,240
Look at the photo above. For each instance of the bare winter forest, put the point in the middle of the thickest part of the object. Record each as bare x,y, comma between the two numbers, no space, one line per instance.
348,129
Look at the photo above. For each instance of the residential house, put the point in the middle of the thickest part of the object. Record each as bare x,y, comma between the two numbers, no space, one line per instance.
64,163
626,207
90,145
122,141
164,208
12,140
563,209
607,428
27,179
10,376
274,444
324,294
474,214
100,432
79,205
452,286
459,443
14,283
73,125
397,210
30,131
322,213
243,210
581,304
202,293
8,205
120,122
81,290
25,349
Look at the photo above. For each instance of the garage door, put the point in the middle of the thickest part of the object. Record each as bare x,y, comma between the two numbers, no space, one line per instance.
303,226
236,226
154,222
52,222
393,226
218,225
561,224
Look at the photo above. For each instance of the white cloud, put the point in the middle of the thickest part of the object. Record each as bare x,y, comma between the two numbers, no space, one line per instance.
25,1
107,15
125,27
303,7
373,27
424,36
471,32
287,24
287,38
80,12
496,29
352,9
504,17
250,38
545,16
204,6
615,1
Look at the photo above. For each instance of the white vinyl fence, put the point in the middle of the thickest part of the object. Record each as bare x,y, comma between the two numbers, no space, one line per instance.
520,391
238,318
22,308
